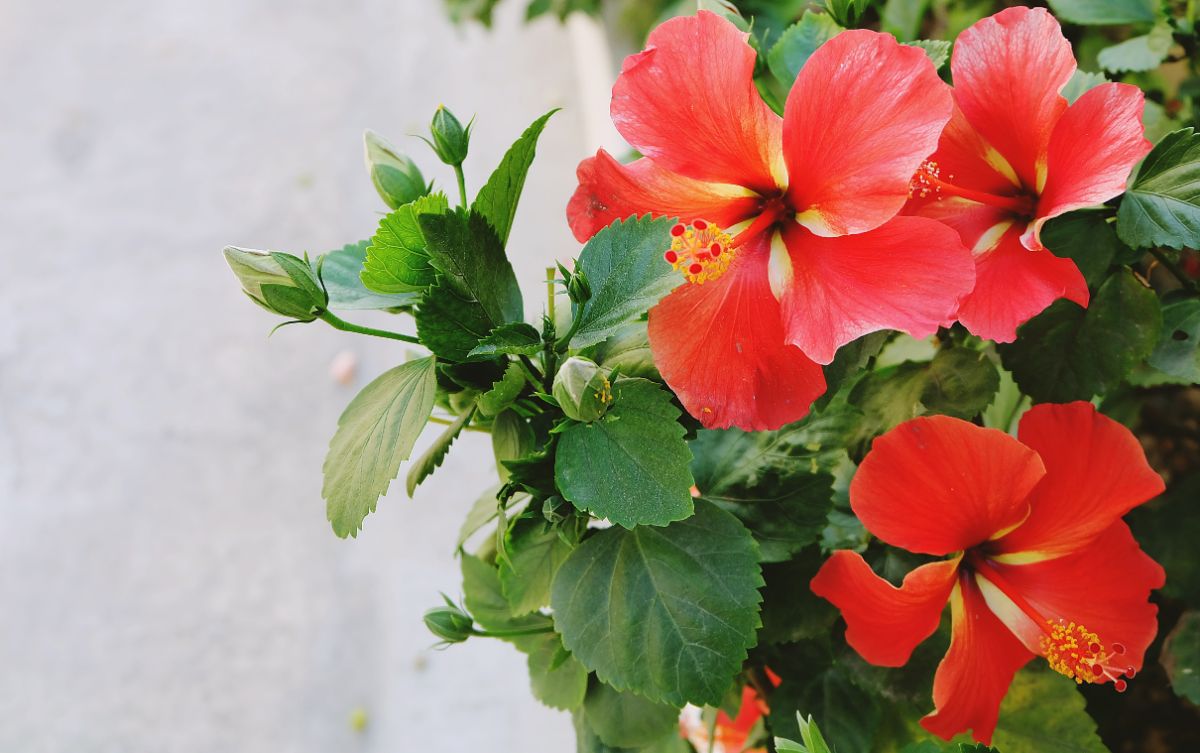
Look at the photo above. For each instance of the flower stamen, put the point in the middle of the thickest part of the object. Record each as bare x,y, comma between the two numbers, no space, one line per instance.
1073,650
700,250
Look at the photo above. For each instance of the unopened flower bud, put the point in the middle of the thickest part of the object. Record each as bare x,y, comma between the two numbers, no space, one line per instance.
449,622
279,282
582,389
450,139
396,177
579,290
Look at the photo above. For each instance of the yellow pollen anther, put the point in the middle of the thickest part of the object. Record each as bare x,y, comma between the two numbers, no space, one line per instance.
700,250
1073,650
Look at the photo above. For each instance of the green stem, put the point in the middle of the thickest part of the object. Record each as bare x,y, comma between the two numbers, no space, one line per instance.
531,372
462,185
550,293
560,345
346,326
513,633
1173,268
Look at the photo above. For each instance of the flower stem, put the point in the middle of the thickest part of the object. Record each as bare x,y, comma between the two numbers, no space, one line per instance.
346,326
513,633
462,185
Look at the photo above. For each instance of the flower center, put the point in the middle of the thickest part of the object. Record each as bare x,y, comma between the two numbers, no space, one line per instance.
1069,647
928,181
701,251
1073,650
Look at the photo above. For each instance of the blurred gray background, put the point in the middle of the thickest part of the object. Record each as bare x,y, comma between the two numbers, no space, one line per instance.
168,581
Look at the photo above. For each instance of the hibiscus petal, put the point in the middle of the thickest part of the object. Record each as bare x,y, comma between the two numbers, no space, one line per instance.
962,161
1008,70
861,116
720,346
884,623
908,274
1103,586
972,679
688,101
1096,472
937,485
1094,147
1013,284
611,191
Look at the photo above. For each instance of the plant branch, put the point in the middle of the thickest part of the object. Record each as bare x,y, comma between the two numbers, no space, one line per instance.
338,323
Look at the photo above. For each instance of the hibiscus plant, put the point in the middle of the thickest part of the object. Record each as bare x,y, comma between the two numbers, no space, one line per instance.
865,418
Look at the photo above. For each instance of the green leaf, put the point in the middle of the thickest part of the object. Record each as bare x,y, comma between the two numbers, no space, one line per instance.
476,289
450,325
796,45
937,50
375,434
1069,353
791,611
668,613
512,438
631,465
1079,83
535,551
1105,12
847,713
555,676
503,392
849,362
396,259
466,251
432,458
627,720
1162,207
485,600
1178,351
783,504
1142,53
814,741
627,350
958,382
482,512
588,742
1181,657
340,272
625,267
1085,238
513,339
903,19
497,200
1043,711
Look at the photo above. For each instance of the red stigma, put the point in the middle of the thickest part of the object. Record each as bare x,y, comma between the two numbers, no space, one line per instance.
671,257
678,230
700,224
696,269
715,249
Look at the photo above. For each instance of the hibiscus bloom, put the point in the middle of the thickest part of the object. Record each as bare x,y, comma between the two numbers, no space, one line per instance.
1041,564
728,735
1015,154
788,241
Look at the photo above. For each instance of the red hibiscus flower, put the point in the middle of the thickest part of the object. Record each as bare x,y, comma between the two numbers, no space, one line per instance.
788,243
1015,154
1042,563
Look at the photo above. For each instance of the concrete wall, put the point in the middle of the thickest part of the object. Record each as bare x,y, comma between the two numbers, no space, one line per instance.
168,581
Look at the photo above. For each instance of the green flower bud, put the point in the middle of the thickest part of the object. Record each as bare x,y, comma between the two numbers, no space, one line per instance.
450,623
396,177
582,389
281,283
579,290
450,139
